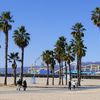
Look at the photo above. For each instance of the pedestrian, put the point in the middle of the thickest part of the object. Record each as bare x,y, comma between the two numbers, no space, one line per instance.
19,83
24,85
74,84
69,85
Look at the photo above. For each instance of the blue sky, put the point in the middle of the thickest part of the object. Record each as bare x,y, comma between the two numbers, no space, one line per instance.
46,20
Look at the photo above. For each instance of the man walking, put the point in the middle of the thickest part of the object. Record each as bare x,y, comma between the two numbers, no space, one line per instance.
69,85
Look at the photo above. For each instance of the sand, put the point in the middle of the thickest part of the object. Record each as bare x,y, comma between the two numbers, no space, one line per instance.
90,90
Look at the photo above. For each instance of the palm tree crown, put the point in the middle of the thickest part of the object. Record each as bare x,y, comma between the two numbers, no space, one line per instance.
96,16
5,20
21,37
78,30
47,56
60,48
13,57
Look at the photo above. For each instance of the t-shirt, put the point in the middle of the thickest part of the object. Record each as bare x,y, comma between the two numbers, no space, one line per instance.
73,83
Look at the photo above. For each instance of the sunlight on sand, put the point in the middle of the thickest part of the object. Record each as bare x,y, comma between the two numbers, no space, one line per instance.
9,92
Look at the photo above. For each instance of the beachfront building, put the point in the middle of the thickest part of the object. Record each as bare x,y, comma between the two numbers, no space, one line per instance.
91,69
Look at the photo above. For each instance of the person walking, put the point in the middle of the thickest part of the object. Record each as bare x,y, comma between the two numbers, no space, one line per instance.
19,84
74,84
24,85
69,85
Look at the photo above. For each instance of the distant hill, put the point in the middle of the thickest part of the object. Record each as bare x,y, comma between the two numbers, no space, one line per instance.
10,70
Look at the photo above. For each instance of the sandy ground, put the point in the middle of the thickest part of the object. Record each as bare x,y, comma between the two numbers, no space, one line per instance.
90,90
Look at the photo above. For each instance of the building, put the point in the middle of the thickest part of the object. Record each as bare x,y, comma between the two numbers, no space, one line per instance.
91,69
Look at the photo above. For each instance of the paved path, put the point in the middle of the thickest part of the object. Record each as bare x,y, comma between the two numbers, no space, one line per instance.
12,90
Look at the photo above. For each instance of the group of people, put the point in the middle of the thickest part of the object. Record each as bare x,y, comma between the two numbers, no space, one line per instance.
72,84
21,84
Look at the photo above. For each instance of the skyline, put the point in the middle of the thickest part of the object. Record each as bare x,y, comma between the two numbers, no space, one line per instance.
46,21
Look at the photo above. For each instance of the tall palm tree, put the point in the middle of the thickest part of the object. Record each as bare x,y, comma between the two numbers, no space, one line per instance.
21,39
66,72
59,50
52,64
13,58
47,59
78,46
81,53
5,26
96,16
65,61
70,58
64,58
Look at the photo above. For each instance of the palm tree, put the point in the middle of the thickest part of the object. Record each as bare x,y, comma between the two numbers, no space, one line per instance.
96,16
13,58
47,59
65,60
21,39
5,26
78,46
59,50
52,64
70,58
81,53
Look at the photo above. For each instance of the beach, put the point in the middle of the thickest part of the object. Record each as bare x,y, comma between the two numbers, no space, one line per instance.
89,90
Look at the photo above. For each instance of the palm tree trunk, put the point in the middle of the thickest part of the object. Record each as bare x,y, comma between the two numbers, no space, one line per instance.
78,71
6,54
70,71
53,77
14,76
22,64
60,74
66,71
47,75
